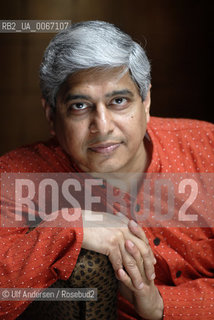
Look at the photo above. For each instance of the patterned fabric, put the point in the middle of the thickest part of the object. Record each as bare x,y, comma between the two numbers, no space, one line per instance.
92,270
185,257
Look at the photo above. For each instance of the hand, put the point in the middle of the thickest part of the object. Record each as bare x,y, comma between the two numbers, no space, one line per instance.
145,295
109,236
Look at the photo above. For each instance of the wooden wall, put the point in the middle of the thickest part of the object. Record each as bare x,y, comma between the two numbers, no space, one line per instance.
177,35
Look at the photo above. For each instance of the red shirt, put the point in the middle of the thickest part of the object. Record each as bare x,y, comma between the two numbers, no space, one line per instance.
185,256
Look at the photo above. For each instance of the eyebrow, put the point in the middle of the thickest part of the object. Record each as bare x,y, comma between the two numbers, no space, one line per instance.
119,92
108,95
76,96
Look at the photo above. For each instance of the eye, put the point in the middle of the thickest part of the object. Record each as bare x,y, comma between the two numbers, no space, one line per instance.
78,106
119,101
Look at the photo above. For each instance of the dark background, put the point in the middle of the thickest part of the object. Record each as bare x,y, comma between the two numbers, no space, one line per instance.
176,34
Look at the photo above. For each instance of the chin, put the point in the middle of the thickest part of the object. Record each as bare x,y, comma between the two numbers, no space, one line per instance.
105,169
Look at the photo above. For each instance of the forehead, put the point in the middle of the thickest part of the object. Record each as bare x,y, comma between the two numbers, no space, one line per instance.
98,82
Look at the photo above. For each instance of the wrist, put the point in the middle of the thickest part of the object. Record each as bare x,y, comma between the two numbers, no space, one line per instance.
159,308
158,314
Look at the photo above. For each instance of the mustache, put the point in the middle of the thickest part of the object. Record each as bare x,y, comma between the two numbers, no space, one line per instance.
101,139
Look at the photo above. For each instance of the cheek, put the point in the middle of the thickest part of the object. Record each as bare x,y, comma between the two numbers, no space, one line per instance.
74,137
137,123
142,119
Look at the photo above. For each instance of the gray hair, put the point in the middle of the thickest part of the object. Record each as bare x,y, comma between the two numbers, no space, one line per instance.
91,44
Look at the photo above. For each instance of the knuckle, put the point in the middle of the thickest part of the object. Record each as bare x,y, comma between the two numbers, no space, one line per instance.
118,235
112,243
115,261
131,264
146,252
113,239
138,256
116,266
118,263
115,258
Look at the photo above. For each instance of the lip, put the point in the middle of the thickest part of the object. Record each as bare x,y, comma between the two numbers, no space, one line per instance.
105,147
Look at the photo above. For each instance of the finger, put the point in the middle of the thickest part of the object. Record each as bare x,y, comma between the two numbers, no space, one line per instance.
131,267
146,266
145,253
137,230
126,279
148,261
135,253
115,258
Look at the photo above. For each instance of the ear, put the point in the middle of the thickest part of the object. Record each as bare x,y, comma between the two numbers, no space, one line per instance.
147,103
49,115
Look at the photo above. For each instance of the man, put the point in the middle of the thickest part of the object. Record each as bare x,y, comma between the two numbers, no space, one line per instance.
95,83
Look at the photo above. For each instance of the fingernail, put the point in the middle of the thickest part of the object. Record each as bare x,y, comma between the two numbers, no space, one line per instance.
141,285
131,244
133,223
121,272
152,276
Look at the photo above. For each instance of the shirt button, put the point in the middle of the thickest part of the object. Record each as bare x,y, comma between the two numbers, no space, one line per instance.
156,241
137,207
178,274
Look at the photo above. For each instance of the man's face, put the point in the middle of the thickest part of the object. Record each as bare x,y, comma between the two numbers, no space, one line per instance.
100,121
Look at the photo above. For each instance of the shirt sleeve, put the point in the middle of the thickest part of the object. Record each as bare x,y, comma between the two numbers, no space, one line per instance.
191,300
36,259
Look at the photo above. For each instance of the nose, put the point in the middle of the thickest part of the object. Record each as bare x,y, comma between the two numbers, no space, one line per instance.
101,120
